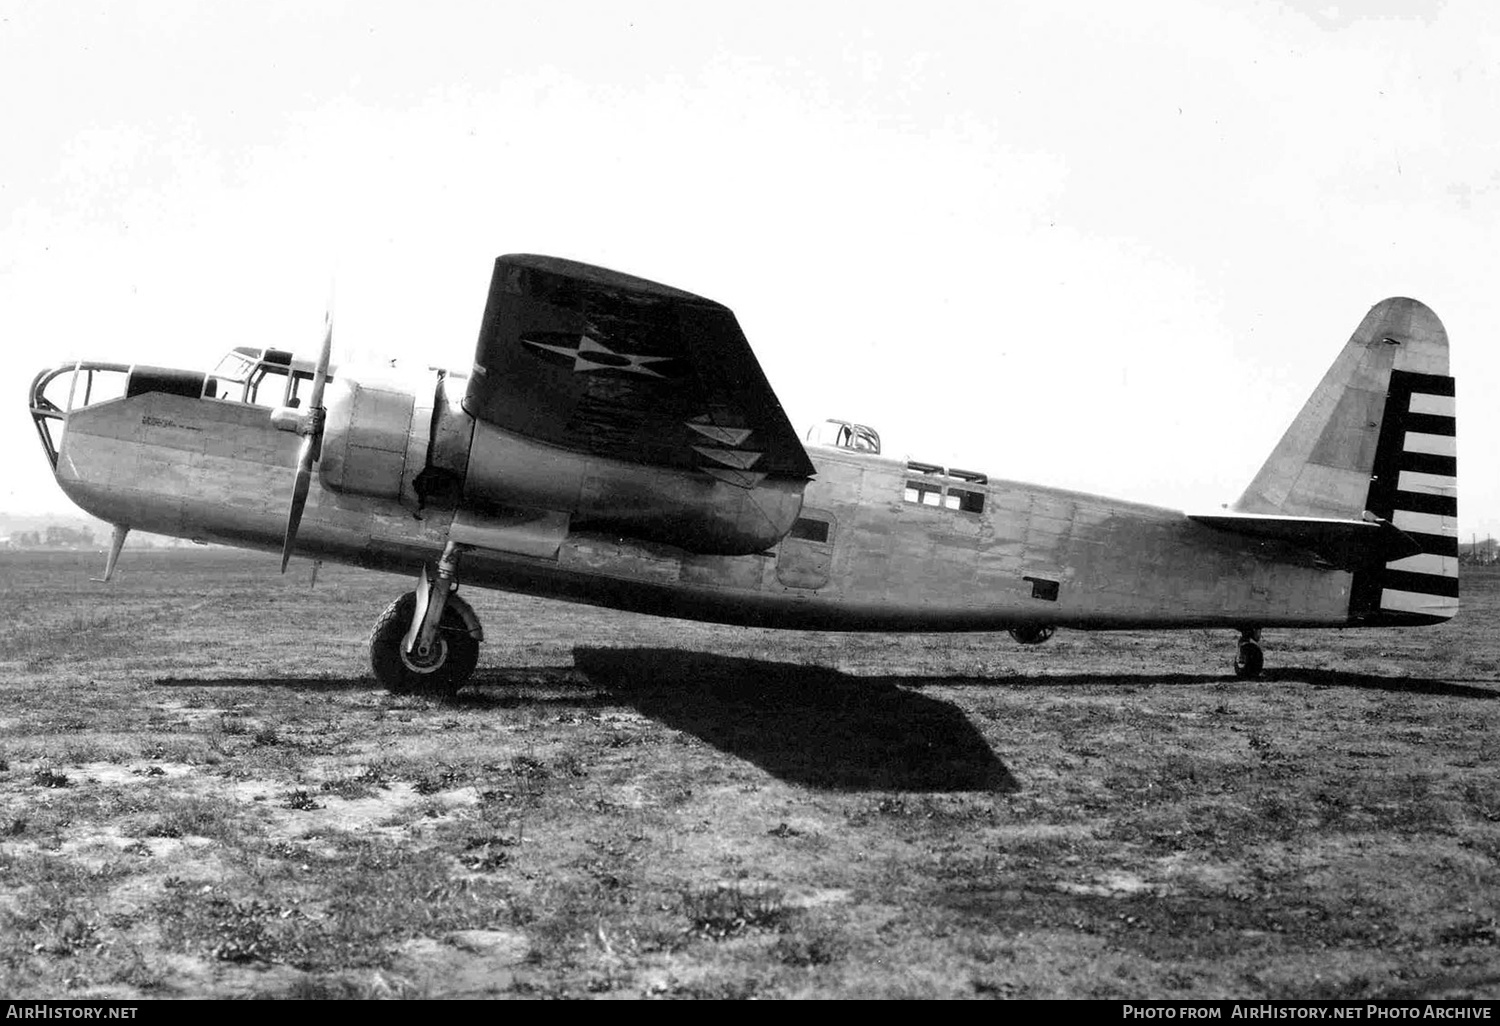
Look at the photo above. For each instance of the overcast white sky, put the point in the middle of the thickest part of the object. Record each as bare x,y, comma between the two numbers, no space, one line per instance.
1102,245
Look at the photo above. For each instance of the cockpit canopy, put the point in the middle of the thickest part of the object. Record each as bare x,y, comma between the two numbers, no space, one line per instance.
844,434
266,377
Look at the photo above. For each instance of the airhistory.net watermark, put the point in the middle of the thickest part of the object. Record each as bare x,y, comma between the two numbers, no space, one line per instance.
1266,1010
20,1010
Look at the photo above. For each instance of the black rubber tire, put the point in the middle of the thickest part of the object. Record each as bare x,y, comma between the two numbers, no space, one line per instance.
1248,661
1032,635
457,653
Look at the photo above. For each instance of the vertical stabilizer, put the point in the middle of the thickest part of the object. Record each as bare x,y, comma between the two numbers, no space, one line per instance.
1377,439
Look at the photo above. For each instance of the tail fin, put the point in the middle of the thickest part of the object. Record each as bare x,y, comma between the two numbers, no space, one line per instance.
1377,440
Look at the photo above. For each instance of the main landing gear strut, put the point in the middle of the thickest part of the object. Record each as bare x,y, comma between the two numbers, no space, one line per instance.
427,641
1249,659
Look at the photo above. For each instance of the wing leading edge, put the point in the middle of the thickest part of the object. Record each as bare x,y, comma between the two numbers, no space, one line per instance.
612,365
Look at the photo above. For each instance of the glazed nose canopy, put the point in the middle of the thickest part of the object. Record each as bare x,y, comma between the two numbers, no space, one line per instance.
193,384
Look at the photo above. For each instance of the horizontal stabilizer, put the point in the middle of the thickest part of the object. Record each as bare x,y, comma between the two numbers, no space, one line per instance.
1341,544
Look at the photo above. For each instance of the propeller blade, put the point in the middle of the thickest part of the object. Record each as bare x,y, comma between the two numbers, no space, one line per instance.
299,500
312,444
320,374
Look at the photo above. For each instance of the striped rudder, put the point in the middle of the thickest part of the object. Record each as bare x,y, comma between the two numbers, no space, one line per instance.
1375,440
1415,486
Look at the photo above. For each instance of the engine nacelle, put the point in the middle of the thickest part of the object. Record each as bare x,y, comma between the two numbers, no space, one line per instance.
688,509
365,437
387,441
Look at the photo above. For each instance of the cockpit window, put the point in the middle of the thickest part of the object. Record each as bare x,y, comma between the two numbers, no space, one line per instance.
264,377
236,366
267,386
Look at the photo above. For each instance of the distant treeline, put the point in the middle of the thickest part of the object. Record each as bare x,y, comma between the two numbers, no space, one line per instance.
55,537
1483,550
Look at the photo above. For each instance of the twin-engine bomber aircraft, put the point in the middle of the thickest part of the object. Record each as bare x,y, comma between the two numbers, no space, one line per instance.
617,444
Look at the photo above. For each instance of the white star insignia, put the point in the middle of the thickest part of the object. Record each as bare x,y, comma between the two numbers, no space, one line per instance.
592,355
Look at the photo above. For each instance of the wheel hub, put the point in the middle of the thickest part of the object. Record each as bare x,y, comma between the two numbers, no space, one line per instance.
429,663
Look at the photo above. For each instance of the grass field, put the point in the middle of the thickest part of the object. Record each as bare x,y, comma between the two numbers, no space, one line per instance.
202,794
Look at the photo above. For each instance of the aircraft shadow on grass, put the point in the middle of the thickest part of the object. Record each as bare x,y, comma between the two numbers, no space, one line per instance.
1452,687
813,725
809,725
806,724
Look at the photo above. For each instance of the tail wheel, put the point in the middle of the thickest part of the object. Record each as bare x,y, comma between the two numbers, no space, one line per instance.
1248,660
452,659
1032,635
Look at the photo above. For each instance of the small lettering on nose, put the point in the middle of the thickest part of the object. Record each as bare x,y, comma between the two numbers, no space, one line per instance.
152,421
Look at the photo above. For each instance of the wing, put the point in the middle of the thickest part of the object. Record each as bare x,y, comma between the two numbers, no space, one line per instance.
605,363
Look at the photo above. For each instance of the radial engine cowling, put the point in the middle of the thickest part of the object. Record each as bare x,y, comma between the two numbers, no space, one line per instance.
365,438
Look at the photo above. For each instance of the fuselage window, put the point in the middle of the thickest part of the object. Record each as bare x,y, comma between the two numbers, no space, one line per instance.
810,530
965,501
1043,589
924,493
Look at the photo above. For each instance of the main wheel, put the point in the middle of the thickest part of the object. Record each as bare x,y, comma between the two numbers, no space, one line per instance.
452,659
1248,660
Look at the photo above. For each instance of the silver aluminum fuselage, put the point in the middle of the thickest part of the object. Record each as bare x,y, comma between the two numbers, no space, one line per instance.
218,471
